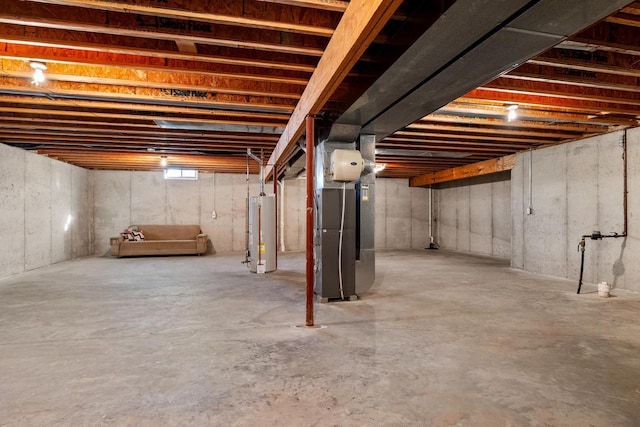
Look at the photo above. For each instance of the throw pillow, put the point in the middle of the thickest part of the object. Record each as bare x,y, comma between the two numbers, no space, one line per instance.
137,236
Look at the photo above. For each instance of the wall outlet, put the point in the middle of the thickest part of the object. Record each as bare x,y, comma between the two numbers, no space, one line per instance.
529,211
214,214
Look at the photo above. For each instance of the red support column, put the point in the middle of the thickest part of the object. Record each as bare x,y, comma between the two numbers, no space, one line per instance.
275,193
310,190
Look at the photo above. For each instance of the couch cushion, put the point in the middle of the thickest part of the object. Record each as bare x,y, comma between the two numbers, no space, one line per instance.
169,232
158,247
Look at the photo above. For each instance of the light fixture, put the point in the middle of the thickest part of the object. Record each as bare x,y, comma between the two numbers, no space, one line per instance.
512,112
163,160
38,72
379,167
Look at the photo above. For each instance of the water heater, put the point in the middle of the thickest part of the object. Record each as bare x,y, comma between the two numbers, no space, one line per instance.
262,234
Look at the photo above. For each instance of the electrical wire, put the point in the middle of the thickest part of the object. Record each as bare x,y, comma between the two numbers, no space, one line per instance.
344,193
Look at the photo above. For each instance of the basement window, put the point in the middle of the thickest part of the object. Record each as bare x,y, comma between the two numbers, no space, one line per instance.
173,173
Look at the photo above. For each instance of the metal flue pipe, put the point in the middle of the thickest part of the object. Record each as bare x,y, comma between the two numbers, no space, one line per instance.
310,124
261,163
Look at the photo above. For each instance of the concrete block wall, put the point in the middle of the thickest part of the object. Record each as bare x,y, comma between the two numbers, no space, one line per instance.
123,198
53,211
46,211
401,215
474,215
578,188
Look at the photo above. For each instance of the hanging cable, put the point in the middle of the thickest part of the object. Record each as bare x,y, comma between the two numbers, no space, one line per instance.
344,197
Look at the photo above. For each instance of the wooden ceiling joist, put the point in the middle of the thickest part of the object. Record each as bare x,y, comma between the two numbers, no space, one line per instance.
85,47
597,62
503,123
17,12
127,117
46,104
630,100
204,12
134,161
557,75
95,63
486,131
332,5
145,95
468,108
102,128
165,81
91,138
530,98
223,69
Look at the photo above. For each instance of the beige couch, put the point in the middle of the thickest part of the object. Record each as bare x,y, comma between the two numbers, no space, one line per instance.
162,240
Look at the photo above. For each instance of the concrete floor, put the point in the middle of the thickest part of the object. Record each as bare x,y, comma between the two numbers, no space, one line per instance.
444,340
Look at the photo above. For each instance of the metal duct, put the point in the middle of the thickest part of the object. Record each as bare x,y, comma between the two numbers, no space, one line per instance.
445,63
442,65
216,127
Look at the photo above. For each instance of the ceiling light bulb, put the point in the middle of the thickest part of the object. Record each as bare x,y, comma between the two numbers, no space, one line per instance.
163,160
512,113
380,167
38,72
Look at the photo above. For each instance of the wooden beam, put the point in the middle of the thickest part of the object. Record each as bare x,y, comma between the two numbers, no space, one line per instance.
624,19
329,5
197,11
633,8
332,5
468,171
359,25
583,43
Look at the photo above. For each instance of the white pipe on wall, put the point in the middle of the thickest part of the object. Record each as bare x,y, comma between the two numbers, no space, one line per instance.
432,242
530,207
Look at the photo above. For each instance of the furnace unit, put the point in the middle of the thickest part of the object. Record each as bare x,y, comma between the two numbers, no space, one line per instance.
344,223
